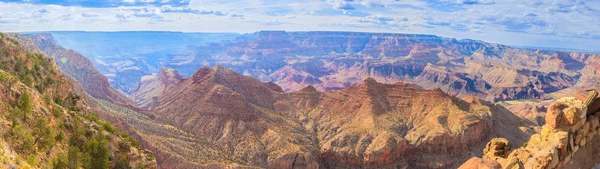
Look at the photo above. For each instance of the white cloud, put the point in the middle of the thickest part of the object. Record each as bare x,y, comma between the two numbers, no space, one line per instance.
551,22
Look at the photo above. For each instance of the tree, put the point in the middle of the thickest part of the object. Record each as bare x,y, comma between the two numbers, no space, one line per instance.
44,136
122,163
97,149
75,157
23,140
25,105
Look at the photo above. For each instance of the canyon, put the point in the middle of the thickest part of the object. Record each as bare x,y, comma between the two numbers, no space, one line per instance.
275,99
337,60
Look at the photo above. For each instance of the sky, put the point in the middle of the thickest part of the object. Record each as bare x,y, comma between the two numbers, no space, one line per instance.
568,24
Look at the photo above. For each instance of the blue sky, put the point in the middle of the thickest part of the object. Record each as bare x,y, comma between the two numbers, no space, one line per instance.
546,23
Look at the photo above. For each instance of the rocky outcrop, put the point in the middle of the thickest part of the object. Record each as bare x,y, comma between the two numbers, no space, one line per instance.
567,140
145,95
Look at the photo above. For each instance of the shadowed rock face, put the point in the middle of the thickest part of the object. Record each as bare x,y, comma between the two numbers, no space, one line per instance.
369,125
78,67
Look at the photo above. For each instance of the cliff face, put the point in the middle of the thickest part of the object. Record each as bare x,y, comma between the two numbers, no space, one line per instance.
45,123
151,86
569,139
78,67
369,125
336,60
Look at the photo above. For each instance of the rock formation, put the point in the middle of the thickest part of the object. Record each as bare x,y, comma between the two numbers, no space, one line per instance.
152,85
567,140
369,125
337,60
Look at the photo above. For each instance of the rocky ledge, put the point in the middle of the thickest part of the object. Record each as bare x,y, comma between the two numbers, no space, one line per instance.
569,139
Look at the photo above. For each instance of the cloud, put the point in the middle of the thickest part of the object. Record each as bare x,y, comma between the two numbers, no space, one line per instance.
279,11
342,4
147,13
335,12
494,20
561,6
237,16
512,23
104,3
381,19
476,2
89,14
373,3
193,11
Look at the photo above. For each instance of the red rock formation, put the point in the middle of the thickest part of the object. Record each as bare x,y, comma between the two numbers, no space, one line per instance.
369,125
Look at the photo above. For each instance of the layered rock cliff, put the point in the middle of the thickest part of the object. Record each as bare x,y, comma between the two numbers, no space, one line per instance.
336,60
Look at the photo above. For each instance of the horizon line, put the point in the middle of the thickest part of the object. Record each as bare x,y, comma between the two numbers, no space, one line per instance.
295,31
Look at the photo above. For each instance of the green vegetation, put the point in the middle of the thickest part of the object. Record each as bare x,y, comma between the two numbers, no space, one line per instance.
33,160
44,136
97,149
122,163
22,140
25,105
75,158
60,162
64,60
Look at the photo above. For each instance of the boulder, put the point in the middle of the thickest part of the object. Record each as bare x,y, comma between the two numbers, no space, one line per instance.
554,114
572,115
497,148
479,163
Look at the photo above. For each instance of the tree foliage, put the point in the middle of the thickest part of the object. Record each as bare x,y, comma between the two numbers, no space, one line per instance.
97,149
44,135
60,162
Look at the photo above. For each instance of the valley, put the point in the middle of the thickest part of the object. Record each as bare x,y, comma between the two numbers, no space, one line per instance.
275,99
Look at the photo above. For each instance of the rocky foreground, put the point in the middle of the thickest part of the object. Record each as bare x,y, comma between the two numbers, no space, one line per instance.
569,139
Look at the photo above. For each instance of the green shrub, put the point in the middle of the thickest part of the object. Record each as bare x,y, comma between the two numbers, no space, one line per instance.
139,166
47,99
57,112
60,136
33,160
75,158
92,117
124,146
23,141
122,163
107,127
60,162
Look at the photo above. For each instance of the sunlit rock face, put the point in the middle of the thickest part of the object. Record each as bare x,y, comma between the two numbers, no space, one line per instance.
369,125
336,60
